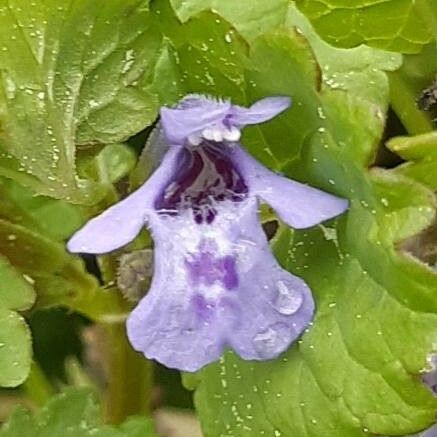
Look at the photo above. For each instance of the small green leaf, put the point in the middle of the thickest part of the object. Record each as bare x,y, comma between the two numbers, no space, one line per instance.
421,153
54,218
111,164
73,413
58,277
16,294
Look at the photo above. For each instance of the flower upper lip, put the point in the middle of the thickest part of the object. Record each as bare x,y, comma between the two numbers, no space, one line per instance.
197,117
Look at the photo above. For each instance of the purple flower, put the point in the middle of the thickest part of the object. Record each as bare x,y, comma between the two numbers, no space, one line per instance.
216,284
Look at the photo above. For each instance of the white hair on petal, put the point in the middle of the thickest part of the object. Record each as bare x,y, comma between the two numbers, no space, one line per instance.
195,99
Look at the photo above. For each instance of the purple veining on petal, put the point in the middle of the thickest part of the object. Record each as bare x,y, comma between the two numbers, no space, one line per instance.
205,175
206,268
203,309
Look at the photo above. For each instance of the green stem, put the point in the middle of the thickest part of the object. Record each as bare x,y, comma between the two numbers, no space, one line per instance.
37,386
130,377
403,100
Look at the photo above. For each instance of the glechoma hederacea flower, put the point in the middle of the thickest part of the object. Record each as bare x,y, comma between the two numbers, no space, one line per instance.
216,283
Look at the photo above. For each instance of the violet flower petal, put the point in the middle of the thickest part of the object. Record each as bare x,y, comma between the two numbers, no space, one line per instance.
298,205
121,223
239,296
260,111
274,306
178,124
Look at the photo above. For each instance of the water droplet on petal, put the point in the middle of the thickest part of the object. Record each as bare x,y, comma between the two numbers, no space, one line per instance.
288,301
271,341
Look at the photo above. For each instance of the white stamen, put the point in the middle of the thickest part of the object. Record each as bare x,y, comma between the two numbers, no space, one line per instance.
194,139
233,134
208,134
217,134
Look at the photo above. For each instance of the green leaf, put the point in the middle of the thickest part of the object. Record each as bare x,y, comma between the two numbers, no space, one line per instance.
111,164
398,25
420,152
58,277
250,18
72,414
16,294
54,218
210,54
356,371
71,73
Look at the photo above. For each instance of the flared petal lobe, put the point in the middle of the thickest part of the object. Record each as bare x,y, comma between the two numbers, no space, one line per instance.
259,112
120,224
298,205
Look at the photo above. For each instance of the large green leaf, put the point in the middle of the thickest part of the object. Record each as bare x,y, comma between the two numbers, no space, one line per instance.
71,72
74,413
356,370
250,17
16,294
399,25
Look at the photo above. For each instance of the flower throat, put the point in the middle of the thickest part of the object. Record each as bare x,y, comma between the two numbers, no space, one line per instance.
205,176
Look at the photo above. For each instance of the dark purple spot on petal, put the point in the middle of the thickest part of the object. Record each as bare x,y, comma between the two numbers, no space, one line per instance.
205,175
230,277
205,268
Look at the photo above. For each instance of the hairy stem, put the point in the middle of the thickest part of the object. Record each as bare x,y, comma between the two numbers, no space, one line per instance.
37,386
130,377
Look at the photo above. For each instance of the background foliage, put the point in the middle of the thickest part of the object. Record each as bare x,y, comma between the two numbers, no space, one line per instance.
81,85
